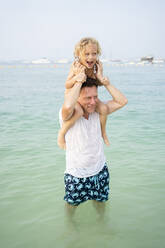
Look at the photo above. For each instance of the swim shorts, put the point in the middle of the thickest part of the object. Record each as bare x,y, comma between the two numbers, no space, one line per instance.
78,190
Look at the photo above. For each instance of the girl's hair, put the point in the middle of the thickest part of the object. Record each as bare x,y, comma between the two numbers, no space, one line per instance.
83,42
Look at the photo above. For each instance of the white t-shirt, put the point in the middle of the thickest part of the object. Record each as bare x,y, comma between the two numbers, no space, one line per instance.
84,147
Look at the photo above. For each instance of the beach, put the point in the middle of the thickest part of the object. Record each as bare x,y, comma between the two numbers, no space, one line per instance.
32,166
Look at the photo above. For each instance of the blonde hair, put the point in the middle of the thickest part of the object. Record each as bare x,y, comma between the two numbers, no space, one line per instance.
83,42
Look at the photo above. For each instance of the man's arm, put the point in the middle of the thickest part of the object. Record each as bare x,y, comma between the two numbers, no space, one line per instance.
71,97
118,101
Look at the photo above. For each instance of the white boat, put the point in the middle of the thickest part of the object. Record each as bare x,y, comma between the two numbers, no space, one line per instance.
158,61
104,60
62,61
41,61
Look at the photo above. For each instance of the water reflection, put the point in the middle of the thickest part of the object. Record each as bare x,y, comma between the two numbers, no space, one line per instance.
100,208
88,225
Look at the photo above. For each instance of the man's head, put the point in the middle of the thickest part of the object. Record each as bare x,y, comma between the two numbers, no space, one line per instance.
88,98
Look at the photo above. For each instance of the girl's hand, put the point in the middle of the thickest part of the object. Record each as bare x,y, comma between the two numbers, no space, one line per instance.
78,68
79,72
99,72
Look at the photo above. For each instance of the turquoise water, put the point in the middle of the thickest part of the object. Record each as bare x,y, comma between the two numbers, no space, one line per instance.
32,212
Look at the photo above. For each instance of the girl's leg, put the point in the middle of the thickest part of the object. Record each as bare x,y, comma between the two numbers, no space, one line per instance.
102,110
68,124
103,120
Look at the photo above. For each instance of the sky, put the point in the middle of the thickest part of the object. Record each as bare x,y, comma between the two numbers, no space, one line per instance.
125,29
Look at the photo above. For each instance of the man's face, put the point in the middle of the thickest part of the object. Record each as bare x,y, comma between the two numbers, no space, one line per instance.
88,99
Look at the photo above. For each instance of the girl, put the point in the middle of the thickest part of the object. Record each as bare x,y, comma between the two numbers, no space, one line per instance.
86,63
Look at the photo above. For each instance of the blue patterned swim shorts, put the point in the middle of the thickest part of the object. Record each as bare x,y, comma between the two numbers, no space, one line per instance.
78,190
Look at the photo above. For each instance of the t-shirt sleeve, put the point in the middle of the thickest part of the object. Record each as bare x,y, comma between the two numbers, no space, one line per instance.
60,117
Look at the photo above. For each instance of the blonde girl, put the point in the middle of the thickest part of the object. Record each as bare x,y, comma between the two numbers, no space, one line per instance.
86,64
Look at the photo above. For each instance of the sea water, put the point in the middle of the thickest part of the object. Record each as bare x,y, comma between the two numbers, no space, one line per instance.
32,210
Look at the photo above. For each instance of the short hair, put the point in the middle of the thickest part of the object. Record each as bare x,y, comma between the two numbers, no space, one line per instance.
90,82
83,42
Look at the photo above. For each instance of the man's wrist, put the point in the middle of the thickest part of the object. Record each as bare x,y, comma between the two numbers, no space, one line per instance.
105,81
78,84
79,81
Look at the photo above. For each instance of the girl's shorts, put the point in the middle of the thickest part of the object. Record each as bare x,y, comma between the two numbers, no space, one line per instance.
78,190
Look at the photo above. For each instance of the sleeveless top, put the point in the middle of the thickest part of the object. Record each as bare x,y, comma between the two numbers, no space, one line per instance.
84,147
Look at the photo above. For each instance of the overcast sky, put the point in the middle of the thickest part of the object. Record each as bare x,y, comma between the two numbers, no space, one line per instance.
50,28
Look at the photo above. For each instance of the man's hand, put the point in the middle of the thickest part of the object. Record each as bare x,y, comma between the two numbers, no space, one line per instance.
80,78
105,81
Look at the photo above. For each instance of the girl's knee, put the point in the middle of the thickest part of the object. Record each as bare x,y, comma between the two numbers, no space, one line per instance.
79,110
102,108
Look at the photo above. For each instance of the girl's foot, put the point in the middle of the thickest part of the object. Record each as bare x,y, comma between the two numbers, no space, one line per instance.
106,140
61,140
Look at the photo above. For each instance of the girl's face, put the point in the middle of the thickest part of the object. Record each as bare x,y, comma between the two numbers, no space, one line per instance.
88,56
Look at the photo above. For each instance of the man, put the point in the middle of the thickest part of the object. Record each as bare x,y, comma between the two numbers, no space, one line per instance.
87,176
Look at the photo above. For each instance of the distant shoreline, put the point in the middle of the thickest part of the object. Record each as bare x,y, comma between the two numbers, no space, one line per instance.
60,65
